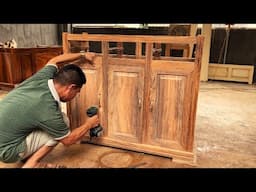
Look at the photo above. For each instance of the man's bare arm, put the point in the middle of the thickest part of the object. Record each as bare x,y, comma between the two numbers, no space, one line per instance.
78,133
69,57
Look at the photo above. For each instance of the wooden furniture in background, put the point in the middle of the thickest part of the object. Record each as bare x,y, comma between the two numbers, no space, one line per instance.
146,103
17,64
229,72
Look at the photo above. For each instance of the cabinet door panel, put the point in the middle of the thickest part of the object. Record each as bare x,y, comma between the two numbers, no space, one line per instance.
170,108
5,68
89,95
26,67
125,99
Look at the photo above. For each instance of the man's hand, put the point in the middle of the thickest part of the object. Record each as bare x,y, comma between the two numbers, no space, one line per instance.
78,133
93,121
88,56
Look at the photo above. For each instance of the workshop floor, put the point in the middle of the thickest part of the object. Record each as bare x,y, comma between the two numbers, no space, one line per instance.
225,136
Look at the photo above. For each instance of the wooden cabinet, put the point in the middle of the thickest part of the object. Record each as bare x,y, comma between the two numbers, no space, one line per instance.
231,72
147,104
17,64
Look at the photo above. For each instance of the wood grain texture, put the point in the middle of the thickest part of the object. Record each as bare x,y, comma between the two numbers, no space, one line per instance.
125,98
90,94
169,107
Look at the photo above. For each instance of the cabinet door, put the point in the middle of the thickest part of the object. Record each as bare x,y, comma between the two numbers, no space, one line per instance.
5,67
90,94
125,103
25,62
170,105
15,66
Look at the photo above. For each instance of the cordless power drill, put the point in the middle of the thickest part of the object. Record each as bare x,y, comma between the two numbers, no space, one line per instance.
95,131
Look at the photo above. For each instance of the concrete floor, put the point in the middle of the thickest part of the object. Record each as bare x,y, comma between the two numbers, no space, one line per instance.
225,136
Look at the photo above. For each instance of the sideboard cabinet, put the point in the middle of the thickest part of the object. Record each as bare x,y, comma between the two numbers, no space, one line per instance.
17,64
146,103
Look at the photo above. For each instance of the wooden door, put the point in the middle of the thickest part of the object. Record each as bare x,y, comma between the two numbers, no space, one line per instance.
125,100
90,95
170,111
18,65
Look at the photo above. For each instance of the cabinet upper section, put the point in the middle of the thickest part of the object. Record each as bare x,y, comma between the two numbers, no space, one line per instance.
184,48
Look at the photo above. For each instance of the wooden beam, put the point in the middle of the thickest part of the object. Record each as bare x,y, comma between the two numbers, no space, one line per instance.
193,29
206,32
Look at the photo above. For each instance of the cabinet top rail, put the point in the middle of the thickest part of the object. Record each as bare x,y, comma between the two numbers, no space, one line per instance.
133,38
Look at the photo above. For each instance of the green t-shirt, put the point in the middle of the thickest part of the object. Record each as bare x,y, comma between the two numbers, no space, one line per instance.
28,107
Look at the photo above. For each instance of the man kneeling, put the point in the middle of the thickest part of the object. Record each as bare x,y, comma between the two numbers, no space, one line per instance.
31,120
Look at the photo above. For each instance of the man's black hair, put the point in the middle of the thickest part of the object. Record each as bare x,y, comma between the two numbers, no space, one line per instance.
70,74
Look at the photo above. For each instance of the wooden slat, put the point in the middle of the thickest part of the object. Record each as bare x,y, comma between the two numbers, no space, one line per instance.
76,37
161,151
138,50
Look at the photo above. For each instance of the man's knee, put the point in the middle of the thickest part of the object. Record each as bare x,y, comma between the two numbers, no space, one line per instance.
36,140
51,143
